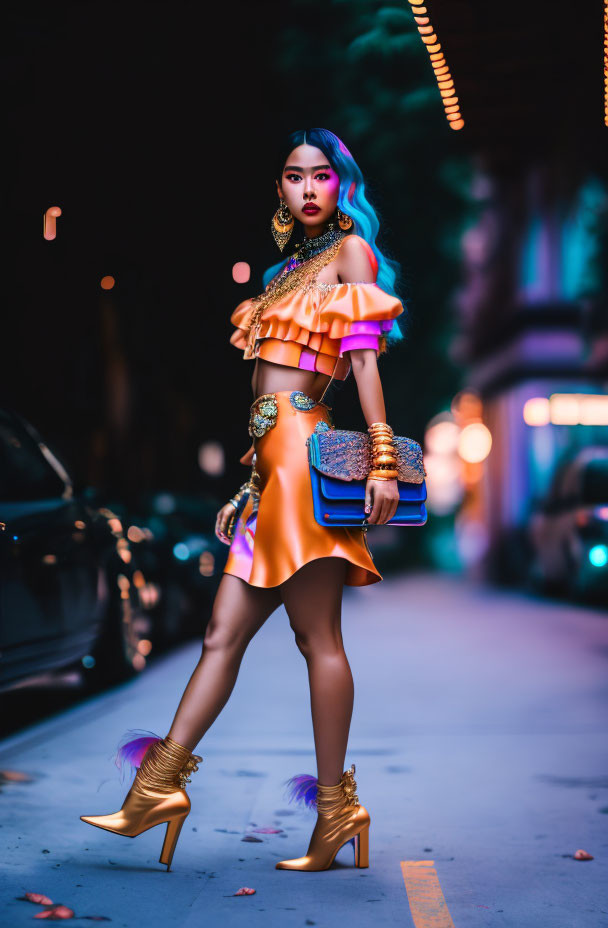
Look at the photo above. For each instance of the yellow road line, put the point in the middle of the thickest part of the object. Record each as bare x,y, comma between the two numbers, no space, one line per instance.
427,903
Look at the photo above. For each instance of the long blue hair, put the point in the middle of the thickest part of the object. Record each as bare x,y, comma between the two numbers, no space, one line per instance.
352,200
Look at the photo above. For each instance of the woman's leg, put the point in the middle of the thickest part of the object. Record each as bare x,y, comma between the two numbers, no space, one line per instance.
239,611
313,600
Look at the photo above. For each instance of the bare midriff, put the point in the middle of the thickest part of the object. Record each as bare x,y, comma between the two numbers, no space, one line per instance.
269,377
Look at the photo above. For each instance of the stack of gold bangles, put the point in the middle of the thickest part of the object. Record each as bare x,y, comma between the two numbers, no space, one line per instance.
384,453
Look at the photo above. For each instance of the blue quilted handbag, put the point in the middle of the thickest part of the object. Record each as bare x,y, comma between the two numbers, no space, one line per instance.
339,461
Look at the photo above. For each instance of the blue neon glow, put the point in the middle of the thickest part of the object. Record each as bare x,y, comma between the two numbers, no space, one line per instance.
580,263
598,555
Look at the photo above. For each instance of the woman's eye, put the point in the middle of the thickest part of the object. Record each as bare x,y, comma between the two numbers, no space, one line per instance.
322,177
293,177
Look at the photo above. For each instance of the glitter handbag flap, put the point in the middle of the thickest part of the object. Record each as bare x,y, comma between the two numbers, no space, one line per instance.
346,455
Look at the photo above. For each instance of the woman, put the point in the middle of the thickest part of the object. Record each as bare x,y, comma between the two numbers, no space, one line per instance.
322,313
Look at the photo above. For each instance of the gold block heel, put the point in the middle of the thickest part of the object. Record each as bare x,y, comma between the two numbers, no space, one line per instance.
171,835
361,845
157,796
339,814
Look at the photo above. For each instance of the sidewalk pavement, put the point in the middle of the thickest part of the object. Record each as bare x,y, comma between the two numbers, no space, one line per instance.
479,738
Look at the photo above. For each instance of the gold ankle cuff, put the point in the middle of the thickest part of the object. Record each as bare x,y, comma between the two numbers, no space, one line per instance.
349,785
343,793
340,818
166,766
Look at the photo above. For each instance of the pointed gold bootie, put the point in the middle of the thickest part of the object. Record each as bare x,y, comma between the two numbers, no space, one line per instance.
158,795
340,818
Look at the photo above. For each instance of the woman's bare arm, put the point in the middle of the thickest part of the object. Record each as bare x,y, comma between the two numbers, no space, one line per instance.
381,496
365,371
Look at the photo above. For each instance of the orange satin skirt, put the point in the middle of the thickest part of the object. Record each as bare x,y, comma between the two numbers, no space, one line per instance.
274,539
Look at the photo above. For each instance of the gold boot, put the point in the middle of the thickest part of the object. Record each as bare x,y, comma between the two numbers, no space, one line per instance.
340,818
158,795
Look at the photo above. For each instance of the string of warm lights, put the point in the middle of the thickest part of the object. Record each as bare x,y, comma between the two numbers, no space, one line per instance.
606,62
440,67
567,409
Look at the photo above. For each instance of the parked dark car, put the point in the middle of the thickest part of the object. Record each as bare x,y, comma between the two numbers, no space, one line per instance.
569,529
174,539
71,586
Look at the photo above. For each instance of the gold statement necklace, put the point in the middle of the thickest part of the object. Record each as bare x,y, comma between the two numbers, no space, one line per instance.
290,278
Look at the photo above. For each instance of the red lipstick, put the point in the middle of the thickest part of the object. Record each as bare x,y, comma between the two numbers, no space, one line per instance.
311,209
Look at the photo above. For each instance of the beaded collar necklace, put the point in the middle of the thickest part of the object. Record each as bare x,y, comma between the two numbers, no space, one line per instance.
301,269
313,246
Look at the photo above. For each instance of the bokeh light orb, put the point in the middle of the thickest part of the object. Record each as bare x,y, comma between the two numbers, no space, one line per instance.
442,437
107,282
598,555
536,411
474,443
211,458
241,272
181,551
467,405
206,564
564,408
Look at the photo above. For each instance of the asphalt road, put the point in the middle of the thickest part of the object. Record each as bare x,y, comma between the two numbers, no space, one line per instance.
479,738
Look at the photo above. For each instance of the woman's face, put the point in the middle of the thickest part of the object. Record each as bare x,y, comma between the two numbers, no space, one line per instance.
309,186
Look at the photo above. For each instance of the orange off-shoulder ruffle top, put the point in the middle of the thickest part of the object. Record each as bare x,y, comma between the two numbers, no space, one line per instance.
313,328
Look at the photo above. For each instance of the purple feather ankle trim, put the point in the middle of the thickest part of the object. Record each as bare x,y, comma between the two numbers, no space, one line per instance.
131,749
302,789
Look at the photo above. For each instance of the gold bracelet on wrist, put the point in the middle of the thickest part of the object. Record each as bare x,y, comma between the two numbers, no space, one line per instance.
383,452
379,426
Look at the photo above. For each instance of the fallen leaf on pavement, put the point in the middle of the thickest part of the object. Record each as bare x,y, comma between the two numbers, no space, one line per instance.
244,891
582,855
38,898
56,912
15,776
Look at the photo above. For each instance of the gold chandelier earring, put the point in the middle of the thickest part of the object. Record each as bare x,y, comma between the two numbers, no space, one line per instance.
282,225
344,220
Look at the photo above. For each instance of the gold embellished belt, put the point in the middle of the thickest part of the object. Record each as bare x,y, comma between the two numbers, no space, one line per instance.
264,409
262,415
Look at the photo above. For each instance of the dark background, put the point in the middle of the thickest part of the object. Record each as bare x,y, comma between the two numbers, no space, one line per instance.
155,127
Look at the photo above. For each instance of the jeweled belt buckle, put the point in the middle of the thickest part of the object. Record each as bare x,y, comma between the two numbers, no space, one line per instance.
263,415
301,401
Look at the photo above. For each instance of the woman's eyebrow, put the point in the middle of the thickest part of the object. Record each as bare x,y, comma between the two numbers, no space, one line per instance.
318,167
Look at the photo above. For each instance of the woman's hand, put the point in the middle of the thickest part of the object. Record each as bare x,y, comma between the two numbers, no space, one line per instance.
221,523
381,498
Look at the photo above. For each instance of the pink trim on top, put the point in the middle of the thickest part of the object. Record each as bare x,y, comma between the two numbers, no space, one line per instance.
364,334
349,342
371,327
307,359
